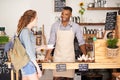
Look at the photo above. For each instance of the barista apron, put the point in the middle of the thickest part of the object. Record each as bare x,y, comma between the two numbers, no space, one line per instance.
64,51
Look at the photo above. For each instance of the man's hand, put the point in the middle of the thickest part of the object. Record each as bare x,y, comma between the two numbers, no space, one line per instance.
83,48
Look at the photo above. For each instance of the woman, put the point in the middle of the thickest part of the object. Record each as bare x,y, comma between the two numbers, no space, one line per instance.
31,71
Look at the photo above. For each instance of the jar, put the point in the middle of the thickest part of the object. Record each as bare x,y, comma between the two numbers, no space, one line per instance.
2,31
39,37
34,29
38,40
99,34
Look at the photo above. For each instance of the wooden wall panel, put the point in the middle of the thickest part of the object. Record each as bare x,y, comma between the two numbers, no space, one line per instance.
100,53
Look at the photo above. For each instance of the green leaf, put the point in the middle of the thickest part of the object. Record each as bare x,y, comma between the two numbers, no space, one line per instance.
4,39
112,43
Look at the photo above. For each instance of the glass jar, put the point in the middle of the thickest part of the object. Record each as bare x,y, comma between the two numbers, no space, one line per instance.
2,31
38,40
39,37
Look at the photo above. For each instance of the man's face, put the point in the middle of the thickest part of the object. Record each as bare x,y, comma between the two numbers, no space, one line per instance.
65,15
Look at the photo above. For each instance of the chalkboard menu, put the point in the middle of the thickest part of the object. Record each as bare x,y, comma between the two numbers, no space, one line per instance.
60,67
58,5
110,20
83,67
4,70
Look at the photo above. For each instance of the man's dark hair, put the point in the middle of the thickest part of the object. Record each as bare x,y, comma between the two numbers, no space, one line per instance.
67,8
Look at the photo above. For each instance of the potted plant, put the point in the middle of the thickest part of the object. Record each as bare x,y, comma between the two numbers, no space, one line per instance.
81,11
112,48
4,40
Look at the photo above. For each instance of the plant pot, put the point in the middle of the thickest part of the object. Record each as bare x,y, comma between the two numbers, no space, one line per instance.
2,46
112,52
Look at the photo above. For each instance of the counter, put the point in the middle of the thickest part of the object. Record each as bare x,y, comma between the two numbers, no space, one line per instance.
76,65
101,60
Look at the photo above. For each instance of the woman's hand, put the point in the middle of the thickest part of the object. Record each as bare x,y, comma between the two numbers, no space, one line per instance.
39,72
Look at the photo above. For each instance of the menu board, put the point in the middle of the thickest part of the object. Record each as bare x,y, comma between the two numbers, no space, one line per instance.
58,5
110,20
4,70
83,67
60,67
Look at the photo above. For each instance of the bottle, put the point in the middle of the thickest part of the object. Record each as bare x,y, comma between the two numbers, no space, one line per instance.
99,33
105,3
84,30
39,36
34,30
95,3
88,31
43,36
99,3
43,41
95,31
92,31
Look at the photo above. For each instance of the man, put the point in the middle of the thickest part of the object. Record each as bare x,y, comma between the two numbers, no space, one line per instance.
62,36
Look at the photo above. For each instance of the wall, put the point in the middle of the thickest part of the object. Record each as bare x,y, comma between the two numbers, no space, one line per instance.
11,10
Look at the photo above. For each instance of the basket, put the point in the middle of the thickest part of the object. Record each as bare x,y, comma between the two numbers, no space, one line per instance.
112,52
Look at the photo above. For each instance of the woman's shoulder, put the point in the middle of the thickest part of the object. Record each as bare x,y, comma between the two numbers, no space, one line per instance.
24,32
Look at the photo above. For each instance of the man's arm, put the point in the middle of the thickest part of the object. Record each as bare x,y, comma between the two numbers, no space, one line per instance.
48,55
51,41
80,39
83,49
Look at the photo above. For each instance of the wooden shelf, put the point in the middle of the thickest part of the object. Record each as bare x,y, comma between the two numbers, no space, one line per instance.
93,24
104,8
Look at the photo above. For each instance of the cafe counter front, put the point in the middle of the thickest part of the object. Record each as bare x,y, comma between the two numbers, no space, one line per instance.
102,61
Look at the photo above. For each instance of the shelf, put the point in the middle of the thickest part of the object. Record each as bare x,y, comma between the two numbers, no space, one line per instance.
104,8
93,24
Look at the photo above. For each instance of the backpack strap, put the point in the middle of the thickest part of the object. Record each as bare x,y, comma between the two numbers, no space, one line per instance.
18,33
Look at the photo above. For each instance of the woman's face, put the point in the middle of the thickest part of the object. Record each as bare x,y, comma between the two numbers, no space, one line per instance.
34,21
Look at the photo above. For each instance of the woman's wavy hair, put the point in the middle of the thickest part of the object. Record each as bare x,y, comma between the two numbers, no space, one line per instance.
25,19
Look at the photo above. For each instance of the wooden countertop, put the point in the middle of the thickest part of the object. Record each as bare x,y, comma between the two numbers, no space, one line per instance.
76,64
101,60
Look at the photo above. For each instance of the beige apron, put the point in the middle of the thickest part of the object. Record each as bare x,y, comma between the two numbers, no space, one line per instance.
64,51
